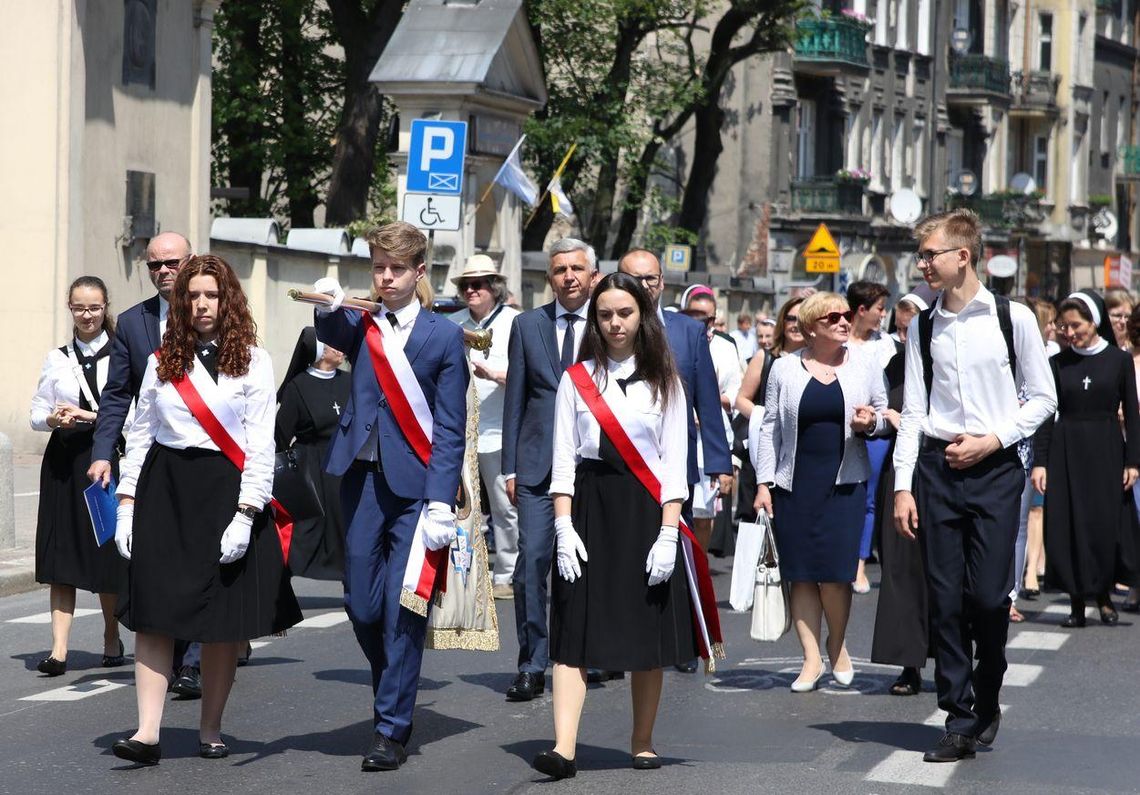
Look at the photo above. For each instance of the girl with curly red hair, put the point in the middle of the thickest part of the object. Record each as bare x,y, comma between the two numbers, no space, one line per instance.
205,564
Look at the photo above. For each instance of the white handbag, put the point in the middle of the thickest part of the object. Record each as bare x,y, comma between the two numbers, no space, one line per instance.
749,548
771,616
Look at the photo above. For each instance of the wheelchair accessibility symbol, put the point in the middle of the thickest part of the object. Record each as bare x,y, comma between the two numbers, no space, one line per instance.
429,211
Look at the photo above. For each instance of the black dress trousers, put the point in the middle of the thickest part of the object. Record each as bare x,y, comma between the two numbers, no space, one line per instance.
968,523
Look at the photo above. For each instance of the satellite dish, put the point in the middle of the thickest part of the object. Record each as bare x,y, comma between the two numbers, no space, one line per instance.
1001,266
965,182
1022,183
906,207
1105,223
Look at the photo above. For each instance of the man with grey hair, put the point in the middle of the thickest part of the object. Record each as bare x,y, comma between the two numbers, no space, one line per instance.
543,343
484,290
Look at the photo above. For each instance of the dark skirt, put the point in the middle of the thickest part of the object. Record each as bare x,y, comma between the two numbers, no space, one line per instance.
66,550
609,618
317,548
175,585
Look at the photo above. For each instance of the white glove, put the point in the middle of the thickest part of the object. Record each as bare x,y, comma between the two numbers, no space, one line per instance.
331,287
662,556
439,528
569,548
235,540
124,528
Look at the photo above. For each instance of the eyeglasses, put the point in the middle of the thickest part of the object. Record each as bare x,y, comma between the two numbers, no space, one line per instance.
649,281
159,264
474,284
927,257
1118,316
834,317
94,309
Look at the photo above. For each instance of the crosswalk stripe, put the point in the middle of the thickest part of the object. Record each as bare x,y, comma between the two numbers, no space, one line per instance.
907,767
75,692
1036,639
323,620
258,644
45,618
1064,610
1021,674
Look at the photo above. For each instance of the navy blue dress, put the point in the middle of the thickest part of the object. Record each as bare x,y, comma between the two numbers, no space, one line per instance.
818,524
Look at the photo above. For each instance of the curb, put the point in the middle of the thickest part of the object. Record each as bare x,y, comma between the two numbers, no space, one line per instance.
18,580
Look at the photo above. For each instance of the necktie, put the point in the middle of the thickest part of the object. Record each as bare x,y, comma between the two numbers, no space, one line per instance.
568,341
392,319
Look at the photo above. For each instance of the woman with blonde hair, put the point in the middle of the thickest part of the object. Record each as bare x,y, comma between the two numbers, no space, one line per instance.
1120,304
812,468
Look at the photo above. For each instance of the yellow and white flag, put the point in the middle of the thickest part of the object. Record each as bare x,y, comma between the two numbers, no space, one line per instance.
558,199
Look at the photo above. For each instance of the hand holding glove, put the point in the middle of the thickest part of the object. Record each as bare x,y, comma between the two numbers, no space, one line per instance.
569,548
439,528
330,287
124,528
235,540
662,556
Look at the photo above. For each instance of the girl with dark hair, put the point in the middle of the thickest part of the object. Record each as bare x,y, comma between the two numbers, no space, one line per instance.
1083,465
206,564
66,402
619,601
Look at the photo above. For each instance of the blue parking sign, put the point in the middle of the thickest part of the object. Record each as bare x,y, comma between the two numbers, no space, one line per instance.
435,157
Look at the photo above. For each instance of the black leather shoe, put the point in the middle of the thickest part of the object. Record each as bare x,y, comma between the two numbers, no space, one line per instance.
213,750
52,667
114,660
646,762
596,676
1073,621
243,660
385,754
687,668
1108,615
1030,593
553,764
527,686
951,748
987,735
139,753
188,683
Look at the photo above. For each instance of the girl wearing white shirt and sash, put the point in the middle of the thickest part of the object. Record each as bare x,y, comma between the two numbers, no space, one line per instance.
206,564
620,600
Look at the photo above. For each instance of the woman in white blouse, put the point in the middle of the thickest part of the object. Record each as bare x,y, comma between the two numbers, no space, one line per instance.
619,601
205,562
67,399
812,470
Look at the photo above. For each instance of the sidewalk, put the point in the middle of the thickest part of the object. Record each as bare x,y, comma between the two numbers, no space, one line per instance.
18,564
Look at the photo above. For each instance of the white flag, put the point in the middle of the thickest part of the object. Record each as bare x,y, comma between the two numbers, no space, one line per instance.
512,177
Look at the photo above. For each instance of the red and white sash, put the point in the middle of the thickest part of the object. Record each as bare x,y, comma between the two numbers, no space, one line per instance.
201,396
635,442
426,572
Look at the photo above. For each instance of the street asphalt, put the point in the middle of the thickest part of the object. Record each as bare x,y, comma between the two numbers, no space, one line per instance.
299,718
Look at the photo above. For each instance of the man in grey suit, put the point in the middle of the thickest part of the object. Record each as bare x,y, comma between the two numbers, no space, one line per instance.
543,343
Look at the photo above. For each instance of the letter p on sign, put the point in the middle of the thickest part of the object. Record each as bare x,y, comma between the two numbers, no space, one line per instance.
439,143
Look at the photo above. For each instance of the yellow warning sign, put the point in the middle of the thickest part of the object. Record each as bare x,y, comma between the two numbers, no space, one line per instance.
821,254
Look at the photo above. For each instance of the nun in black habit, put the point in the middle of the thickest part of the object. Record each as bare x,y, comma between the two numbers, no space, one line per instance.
1085,466
311,399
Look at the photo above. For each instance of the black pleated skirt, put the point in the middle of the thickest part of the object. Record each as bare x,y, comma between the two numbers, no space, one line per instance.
66,550
609,618
175,585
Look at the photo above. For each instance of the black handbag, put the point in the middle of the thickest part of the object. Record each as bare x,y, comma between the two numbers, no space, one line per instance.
293,486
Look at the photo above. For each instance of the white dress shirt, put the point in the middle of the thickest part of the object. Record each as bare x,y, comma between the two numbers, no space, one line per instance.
726,363
577,434
162,417
60,383
973,390
163,313
498,321
405,321
560,324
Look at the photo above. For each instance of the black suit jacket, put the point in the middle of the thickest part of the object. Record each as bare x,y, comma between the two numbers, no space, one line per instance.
136,338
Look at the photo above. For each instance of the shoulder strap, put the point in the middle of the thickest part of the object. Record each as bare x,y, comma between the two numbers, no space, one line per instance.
1006,324
764,372
84,387
925,334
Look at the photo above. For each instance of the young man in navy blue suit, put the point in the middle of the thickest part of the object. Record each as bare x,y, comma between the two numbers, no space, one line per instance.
386,483
543,343
138,334
689,340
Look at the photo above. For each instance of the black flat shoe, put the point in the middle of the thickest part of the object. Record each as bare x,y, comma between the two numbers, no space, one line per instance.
527,687
1109,616
52,667
139,753
909,683
951,748
1030,593
553,764
596,676
385,754
647,762
213,750
1074,621
114,660
188,683
687,668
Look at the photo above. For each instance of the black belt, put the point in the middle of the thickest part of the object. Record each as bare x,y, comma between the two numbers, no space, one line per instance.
934,443
367,466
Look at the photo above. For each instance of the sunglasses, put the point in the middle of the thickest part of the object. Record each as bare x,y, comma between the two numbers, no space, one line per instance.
158,264
834,317
474,284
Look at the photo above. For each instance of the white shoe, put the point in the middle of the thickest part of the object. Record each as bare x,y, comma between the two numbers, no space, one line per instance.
844,678
802,686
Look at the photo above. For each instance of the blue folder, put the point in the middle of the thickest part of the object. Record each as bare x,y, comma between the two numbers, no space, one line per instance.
102,506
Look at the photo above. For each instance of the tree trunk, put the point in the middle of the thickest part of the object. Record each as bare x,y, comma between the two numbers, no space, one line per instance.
634,198
363,39
707,146
299,167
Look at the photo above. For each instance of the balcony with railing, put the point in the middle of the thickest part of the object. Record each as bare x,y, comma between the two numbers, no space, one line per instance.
1129,163
831,45
1001,210
1034,94
978,79
828,196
